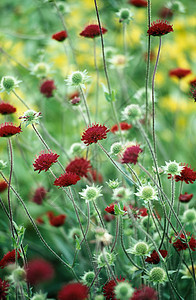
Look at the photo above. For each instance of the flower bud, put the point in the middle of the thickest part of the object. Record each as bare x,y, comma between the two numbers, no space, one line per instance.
123,291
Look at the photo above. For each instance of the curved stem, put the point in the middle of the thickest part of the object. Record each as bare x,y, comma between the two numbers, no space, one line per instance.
148,62
9,184
100,218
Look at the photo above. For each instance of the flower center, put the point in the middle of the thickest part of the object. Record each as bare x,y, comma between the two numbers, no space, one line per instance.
77,78
147,192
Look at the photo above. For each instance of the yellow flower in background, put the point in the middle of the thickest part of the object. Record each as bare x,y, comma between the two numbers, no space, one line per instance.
177,104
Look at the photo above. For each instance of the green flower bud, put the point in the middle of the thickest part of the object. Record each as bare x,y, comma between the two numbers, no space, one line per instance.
123,291
157,275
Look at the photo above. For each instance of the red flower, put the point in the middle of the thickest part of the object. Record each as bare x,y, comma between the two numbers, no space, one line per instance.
108,289
44,161
4,285
192,243
143,212
124,126
56,221
75,291
79,166
40,194
185,198
187,175
193,91
66,179
38,271
181,244
145,293
92,31
3,186
8,129
94,133
47,88
110,209
193,82
6,108
154,257
9,258
179,72
159,28
39,221
131,155
60,36
95,176
139,3
73,95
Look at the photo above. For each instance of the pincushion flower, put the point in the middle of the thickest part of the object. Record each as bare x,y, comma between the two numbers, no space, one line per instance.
94,133
189,216
30,117
79,166
185,197
6,108
8,129
92,31
157,275
3,186
132,112
56,221
66,179
77,79
125,15
123,290
108,289
8,84
88,277
154,257
123,126
4,286
179,72
145,293
40,70
187,175
60,36
44,161
91,193
116,148
180,242
159,28
193,92
139,3
9,258
147,193
38,271
39,195
172,167
140,249
131,154
111,210
121,193
76,291
47,88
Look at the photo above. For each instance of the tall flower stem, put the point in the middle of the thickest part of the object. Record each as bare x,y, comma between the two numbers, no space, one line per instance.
116,235
9,184
148,63
172,201
178,207
97,79
86,105
99,215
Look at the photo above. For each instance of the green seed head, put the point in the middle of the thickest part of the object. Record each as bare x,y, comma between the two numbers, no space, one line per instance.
123,291
88,278
91,193
157,275
77,78
8,83
141,248
116,148
19,274
190,215
125,14
172,168
147,192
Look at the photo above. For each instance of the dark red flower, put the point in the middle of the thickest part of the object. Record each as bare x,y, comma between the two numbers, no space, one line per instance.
193,82
143,212
124,126
39,270
6,108
66,179
94,133
187,175
73,95
39,221
45,160
154,257
39,195
3,186
165,13
185,198
95,176
179,72
92,31
108,289
110,209
56,221
47,88
60,36
193,91
145,293
4,286
139,3
131,155
159,28
79,166
9,258
108,218
75,291
8,129
181,244
192,243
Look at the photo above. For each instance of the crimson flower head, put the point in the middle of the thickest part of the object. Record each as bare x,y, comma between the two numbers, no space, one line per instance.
76,291
143,212
154,257
131,155
181,244
185,198
145,293
159,28
193,91
110,209
6,108
8,129
44,161
139,3
187,175
9,258
47,88
4,286
3,186
39,270
108,289
92,31
56,221
79,166
60,36
66,179
39,195
94,133
179,72
123,126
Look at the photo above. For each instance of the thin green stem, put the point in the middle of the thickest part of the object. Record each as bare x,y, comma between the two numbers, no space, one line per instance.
99,215
97,80
9,184
86,105
148,63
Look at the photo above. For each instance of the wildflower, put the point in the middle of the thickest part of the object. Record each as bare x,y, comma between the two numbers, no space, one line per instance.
75,233
143,212
3,186
179,72
123,290
73,291
108,288
125,15
66,179
76,148
172,167
92,31
113,184
140,249
77,78
185,198
119,61
123,126
186,272
189,216
132,112
116,148
39,270
39,221
73,95
154,257
4,286
41,70
157,275
192,82
56,221
18,275
94,133
102,258
181,244
60,36
39,195
193,92
47,88
111,209
145,293
8,129
79,166
131,154
31,117
187,175
6,108
75,100
121,193
39,296
102,236
139,3
9,258
91,193
147,193
8,84
159,28
44,161
88,277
